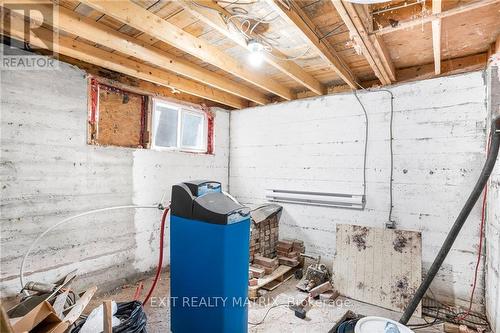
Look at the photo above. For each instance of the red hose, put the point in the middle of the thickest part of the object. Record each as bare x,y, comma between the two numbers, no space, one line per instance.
160,257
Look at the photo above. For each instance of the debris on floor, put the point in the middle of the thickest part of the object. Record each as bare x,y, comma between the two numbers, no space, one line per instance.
315,275
57,308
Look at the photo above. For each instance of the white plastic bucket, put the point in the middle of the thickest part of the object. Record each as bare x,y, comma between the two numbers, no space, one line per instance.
377,325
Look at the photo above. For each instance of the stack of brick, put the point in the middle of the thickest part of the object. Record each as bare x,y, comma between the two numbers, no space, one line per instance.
263,263
257,272
264,232
289,251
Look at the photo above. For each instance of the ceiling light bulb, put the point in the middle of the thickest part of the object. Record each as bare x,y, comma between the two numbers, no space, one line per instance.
256,55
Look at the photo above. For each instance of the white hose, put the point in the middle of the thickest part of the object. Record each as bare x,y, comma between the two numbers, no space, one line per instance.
21,270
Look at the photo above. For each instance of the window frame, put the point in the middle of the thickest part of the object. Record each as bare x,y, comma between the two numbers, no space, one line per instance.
181,109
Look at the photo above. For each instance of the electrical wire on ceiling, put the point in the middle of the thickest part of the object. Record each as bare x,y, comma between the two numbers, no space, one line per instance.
247,26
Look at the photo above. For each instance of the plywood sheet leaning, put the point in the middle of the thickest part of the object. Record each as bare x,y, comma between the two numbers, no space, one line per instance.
378,266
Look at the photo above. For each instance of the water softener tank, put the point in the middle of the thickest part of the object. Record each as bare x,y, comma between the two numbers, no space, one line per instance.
209,252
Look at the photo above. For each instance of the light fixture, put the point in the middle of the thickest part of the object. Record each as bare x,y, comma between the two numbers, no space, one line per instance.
256,55
340,200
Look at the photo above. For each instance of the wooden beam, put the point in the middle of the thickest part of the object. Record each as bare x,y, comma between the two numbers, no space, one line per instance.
210,13
101,34
497,45
357,30
448,67
420,72
295,16
87,53
436,36
138,86
143,20
408,24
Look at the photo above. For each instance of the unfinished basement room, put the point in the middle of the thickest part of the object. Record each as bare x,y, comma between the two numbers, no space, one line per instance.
250,166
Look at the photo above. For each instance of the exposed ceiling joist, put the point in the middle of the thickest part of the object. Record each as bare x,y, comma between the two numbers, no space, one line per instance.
429,18
379,61
436,36
84,52
295,16
209,12
421,72
101,34
147,22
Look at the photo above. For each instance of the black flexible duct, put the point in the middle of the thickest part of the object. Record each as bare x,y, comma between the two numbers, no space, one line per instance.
459,222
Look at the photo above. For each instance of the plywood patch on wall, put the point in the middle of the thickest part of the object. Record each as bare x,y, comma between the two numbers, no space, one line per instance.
117,117
378,266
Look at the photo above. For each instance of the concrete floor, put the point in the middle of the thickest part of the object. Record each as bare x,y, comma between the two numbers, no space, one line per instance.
321,318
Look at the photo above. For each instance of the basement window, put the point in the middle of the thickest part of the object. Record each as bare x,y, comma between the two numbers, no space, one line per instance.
177,127
117,117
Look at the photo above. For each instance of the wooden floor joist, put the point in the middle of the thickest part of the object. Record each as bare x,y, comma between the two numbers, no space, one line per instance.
101,34
379,61
143,20
429,18
85,52
295,16
212,17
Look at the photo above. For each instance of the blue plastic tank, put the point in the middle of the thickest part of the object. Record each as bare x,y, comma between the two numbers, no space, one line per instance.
209,253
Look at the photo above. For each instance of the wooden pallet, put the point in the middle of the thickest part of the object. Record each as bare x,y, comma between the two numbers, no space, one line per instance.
271,281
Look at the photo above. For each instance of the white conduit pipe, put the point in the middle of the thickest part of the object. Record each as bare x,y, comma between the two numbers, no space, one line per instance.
21,270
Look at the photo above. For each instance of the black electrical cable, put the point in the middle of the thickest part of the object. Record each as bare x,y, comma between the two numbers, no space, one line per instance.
267,312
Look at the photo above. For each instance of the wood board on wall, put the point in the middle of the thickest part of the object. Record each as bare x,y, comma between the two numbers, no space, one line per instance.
120,121
378,266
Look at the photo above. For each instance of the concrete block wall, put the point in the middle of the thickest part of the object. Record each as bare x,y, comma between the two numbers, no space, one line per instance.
493,214
317,145
48,172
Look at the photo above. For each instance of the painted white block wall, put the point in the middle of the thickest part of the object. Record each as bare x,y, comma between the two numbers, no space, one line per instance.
317,145
48,172
493,215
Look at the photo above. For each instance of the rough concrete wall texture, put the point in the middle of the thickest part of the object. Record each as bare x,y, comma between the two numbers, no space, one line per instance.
48,172
493,215
317,145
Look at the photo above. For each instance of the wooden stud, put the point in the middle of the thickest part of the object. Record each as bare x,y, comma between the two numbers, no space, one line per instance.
429,18
296,17
212,16
376,59
141,19
436,36
107,316
87,53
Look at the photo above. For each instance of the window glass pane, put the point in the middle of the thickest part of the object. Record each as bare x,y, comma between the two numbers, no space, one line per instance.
166,126
192,130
